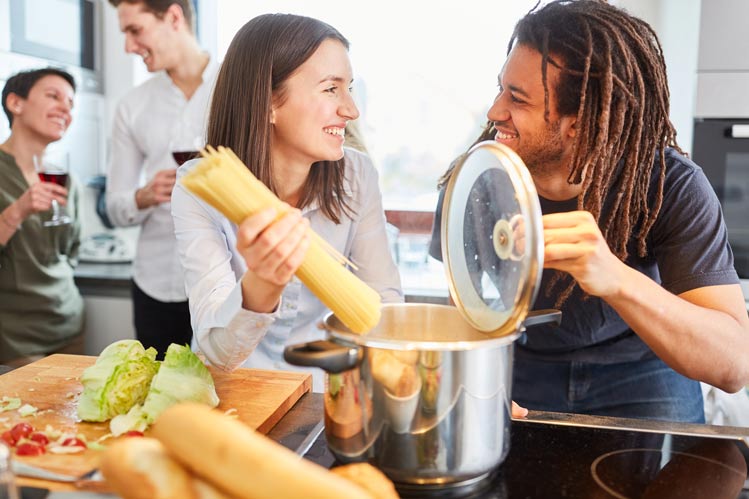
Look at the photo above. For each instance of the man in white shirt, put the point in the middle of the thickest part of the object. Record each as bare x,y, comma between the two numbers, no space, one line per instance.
149,121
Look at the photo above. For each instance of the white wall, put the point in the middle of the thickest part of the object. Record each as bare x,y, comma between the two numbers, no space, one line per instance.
677,24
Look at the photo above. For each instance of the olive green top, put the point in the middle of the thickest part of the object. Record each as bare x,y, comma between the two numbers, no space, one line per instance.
41,309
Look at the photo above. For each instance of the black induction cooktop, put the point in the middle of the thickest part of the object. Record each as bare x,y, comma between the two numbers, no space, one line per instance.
567,461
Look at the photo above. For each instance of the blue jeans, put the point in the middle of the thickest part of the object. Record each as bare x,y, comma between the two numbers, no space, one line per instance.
646,389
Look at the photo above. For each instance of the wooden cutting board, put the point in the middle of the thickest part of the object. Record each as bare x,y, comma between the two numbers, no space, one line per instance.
52,385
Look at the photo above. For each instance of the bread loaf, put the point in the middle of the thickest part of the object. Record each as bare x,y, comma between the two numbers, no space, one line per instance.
246,464
368,477
141,468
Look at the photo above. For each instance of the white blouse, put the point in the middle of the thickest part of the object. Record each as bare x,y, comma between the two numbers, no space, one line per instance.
230,336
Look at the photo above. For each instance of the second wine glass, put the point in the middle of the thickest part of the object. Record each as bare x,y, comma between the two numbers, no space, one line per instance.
186,144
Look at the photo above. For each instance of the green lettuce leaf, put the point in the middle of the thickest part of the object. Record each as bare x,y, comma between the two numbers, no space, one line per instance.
118,380
182,377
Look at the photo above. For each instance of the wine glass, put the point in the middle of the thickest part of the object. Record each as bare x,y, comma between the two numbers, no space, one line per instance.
186,143
54,167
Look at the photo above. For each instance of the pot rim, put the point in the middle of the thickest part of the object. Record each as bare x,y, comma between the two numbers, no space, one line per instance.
338,331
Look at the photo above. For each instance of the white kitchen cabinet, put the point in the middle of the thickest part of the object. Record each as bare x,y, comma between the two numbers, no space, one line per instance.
724,43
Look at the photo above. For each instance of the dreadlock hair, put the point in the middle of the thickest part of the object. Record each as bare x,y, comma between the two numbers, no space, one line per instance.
613,78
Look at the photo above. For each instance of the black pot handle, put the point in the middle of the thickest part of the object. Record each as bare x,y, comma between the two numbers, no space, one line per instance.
545,316
330,356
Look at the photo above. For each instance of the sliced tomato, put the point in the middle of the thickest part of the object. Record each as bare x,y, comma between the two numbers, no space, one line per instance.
30,448
133,433
74,442
21,430
39,438
7,437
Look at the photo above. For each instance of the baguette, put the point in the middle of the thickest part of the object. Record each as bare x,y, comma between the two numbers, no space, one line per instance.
368,477
238,460
141,468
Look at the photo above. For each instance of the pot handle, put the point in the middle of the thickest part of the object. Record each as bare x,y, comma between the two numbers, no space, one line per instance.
538,317
332,357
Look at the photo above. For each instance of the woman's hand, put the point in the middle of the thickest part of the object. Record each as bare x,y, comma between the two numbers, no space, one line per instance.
273,250
38,198
574,244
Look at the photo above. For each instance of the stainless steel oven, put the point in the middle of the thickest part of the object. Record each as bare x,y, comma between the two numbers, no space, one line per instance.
721,148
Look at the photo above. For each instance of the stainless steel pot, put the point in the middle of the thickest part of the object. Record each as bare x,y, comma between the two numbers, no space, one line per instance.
425,395
428,410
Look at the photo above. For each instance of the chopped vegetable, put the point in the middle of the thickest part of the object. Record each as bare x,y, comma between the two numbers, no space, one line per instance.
9,403
21,430
39,438
30,448
74,442
27,410
7,437
119,380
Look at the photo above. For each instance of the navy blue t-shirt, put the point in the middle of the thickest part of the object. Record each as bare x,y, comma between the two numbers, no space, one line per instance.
687,249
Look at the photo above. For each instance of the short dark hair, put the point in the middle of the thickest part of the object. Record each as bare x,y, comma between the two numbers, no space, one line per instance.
22,83
159,7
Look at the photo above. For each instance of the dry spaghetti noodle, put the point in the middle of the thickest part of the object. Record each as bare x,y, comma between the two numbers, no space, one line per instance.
224,182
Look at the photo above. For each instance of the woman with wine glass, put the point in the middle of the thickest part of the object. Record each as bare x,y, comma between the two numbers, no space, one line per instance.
41,310
281,103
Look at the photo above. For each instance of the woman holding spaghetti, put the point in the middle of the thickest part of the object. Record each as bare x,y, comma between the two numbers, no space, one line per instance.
41,310
281,103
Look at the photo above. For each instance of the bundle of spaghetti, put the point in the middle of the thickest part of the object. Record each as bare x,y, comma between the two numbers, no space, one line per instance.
224,182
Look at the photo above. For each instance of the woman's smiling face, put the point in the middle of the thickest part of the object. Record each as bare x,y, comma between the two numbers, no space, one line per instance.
47,109
311,109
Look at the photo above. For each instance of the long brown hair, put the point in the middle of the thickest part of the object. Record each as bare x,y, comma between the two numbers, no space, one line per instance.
613,79
264,53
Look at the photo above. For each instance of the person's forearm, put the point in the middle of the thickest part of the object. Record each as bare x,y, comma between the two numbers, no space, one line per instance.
258,296
697,341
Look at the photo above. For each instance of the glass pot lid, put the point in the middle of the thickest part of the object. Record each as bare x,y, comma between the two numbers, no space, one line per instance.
492,238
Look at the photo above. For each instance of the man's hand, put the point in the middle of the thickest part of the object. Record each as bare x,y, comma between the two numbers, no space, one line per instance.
158,190
518,412
574,244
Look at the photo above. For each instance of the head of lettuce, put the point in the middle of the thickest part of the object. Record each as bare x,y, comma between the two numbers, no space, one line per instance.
120,379
181,376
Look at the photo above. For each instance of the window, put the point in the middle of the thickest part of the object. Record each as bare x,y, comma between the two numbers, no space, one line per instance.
425,75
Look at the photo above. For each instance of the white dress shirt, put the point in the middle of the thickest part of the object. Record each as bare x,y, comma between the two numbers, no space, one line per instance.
146,121
230,336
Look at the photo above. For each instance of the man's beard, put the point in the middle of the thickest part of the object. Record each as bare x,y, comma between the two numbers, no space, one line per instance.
544,158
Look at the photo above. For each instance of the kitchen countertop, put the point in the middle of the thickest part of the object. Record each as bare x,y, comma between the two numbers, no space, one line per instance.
301,430
104,279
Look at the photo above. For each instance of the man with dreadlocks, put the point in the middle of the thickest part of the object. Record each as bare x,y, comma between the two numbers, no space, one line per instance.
636,252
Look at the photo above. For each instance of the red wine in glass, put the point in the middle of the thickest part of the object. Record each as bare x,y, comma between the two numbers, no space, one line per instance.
182,156
54,169
59,178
